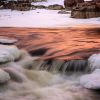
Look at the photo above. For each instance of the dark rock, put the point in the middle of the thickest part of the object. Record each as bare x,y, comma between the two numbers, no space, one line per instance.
63,12
40,6
55,7
69,4
86,10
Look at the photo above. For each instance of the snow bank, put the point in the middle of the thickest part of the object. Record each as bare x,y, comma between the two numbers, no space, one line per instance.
8,53
41,18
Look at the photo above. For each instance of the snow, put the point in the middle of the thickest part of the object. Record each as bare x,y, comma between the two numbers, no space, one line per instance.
49,2
41,18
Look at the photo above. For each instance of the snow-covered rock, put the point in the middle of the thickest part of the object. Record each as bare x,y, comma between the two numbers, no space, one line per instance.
4,77
6,40
94,62
9,53
91,81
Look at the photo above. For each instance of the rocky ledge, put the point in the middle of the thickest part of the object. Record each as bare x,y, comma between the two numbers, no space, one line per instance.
86,10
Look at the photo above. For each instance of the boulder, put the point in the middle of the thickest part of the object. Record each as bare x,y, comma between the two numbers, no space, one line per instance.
86,10
4,77
64,12
91,81
21,5
40,6
9,53
55,7
69,4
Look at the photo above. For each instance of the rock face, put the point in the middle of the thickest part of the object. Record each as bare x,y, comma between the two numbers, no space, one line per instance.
71,3
21,5
86,10
4,77
57,43
91,81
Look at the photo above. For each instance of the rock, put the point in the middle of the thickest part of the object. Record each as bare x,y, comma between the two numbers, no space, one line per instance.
22,5
55,7
97,1
94,62
86,10
91,81
69,4
63,12
6,40
40,6
4,77
8,53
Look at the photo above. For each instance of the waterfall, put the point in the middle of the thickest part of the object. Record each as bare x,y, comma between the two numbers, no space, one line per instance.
62,66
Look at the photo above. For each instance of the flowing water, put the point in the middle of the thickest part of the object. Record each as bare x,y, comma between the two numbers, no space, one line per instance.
37,84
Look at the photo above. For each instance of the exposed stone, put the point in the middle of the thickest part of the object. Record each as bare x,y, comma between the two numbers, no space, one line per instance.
86,10
55,7
18,5
71,3
40,6
4,77
91,81
64,12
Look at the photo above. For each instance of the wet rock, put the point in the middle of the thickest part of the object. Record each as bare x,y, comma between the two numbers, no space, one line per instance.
91,81
8,41
55,7
4,77
8,53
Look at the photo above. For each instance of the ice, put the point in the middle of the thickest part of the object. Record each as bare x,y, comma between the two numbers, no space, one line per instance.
41,18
